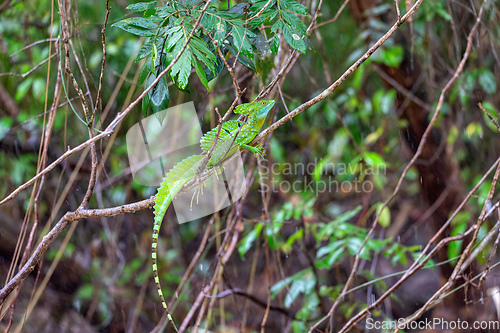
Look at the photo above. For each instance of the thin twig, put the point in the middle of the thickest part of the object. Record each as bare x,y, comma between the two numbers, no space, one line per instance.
84,78
397,9
495,122
33,44
31,70
103,63
335,17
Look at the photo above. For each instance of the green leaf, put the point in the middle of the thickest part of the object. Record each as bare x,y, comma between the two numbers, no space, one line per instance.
23,88
200,48
220,30
354,245
399,255
159,95
232,17
266,16
493,112
470,80
299,286
287,247
277,25
85,292
145,105
218,65
38,88
201,73
391,57
5,125
239,9
207,59
394,56
247,241
145,70
388,101
358,75
275,44
145,50
150,12
330,248
320,167
21,166
294,21
384,101
332,257
165,11
241,58
272,233
293,39
385,217
260,46
257,6
175,35
241,40
141,22
374,160
487,81
154,56
294,6
278,287
133,29
443,13
141,6
329,228
182,69
209,20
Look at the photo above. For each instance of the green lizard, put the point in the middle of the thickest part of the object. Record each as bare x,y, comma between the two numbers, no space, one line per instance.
233,135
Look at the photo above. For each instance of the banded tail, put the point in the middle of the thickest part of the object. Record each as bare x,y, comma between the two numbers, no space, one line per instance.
173,182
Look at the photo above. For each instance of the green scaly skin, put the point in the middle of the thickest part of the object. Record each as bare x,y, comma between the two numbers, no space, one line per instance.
185,170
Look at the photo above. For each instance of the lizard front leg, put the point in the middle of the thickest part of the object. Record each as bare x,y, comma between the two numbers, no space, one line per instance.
258,150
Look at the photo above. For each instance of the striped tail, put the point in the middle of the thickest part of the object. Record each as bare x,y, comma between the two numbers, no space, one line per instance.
173,182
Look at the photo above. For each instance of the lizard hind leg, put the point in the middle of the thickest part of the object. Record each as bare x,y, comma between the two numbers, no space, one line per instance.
197,191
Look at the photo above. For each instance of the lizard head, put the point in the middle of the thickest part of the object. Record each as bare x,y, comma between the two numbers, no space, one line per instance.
259,109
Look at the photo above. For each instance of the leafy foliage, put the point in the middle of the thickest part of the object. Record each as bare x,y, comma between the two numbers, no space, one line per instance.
282,14
336,240
231,32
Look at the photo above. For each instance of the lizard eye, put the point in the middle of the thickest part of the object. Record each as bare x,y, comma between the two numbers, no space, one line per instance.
264,103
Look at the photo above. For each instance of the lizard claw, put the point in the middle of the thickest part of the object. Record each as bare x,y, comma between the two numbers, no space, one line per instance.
259,150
